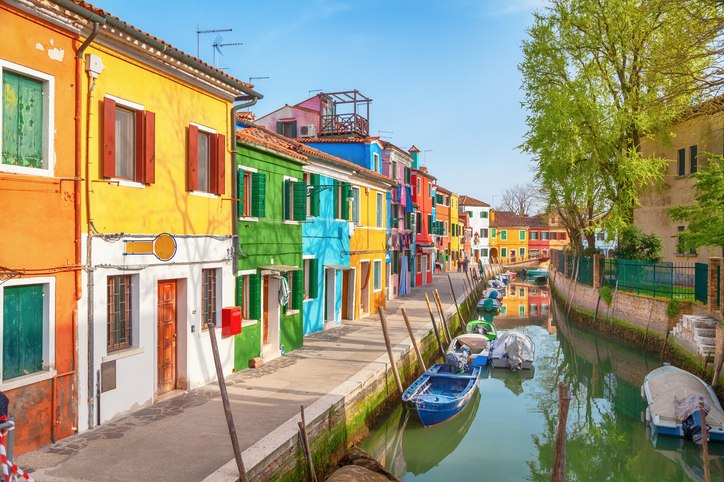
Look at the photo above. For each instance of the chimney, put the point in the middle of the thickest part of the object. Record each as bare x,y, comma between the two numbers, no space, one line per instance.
415,153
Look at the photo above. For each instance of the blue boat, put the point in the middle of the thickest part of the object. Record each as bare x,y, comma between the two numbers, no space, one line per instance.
489,304
441,393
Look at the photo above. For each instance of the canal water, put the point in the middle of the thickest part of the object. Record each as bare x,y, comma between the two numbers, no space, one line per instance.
507,432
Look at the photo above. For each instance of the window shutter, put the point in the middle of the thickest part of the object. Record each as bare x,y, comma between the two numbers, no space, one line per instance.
293,134
346,187
258,194
297,295
280,128
109,137
429,224
140,143
300,201
255,297
220,164
313,278
149,150
193,158
286,199
240,193
314,197
240,292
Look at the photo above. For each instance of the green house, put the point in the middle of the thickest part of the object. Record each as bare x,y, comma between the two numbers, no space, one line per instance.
272,204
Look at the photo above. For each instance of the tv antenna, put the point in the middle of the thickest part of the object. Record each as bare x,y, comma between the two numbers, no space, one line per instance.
313,90
379,134
218,43
199,32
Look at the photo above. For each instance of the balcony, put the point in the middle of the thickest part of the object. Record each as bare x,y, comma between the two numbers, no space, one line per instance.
340,124
345,113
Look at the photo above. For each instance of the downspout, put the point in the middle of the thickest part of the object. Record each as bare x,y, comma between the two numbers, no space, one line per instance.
234,173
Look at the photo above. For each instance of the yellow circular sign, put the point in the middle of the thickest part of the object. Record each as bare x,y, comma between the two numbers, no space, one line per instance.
164,246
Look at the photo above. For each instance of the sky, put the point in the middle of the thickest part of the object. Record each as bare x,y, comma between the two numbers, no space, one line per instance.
442,74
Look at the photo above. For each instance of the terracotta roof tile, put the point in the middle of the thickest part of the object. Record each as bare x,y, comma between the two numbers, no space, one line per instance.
471,201
414,149
508,218
343,140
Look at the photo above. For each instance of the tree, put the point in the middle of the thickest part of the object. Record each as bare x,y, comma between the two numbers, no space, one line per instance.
635,244
600,76
520,199
706,216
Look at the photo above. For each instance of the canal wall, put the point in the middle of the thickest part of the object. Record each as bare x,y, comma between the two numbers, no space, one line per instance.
342,418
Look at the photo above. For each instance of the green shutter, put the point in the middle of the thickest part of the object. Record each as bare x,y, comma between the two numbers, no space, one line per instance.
286,201
280,128
313,278
346,188
240,193
255,297
239,291
297,295
300,201
22,121
335,203
314,197
376,279
258,194
22,330
521,235
429,224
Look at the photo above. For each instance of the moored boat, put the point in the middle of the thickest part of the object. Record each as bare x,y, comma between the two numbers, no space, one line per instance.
482,327
489,304
441,393
470,349
495,293
674,397
512,349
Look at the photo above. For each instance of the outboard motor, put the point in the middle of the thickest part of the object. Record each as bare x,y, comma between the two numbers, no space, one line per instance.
457,362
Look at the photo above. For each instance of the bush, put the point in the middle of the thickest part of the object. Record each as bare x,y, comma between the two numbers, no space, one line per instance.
605,294
672,309
635,244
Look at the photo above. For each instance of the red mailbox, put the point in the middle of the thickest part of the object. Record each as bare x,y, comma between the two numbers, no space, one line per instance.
231,320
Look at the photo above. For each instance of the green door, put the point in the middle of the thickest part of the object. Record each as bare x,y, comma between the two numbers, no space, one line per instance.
22,330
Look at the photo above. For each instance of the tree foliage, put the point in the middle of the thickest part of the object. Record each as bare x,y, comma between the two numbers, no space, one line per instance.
706,216
520,199
599,77
635,244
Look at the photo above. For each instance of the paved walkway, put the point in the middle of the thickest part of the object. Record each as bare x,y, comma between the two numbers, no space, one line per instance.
186,439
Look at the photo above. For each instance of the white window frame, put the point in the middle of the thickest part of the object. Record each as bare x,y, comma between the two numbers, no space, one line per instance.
48,120
380,210
291,199
356,212
376,262
247,193
376,162
210,132
245,321
126,104
48,370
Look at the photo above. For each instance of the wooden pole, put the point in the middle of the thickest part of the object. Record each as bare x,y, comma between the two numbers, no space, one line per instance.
383,320
559,454
414,342
434,327
438,302
471,306
463,324
466,294
704,442
225,402
306,447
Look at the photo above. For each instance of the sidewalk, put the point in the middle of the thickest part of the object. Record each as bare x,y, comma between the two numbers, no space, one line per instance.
186,438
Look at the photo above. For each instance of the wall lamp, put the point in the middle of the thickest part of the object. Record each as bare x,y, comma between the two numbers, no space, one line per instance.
316,189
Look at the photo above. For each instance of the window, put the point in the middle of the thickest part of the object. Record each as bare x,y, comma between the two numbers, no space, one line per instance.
248,295
521,309
445,232
600,236
380,210
470,214
242,295
28,326
408,175
522,252
521,234
393,174
679,249
693,159
355,206
512,253
418,223
419,187
251,192
26,116
484,251
295,200
561,236
129,143
494,233
377,278
429,224
503,252
504,235
544,235
376,162
534,235
484,214
287,128
429,190
682,162
418,262
208,298
206,160
308,181
120,312
483,232
395,261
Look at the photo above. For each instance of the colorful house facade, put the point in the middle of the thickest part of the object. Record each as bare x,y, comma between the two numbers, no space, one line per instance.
40,275
509,236
422,196
271,207
442,227
479,218
455,233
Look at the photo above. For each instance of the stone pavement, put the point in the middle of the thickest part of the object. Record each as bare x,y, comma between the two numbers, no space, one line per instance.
185,438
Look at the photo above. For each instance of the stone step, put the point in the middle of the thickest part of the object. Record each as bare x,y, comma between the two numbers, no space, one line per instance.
706,350
705,332
698,321
704,341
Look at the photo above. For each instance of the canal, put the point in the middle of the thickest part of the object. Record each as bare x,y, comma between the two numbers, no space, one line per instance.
507,432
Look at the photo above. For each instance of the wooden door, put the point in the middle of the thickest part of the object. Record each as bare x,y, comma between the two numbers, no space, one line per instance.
265,315
166,336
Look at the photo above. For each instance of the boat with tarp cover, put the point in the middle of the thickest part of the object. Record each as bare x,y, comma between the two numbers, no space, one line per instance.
512,349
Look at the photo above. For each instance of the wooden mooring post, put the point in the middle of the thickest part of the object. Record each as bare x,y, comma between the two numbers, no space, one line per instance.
420,360
305,446
434,327
463,324
704,442
559,454
440,309
386,334
718,353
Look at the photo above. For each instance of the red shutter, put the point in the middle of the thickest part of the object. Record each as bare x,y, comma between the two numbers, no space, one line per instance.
149,158
140,150
109,138
220,163
193,158
212,164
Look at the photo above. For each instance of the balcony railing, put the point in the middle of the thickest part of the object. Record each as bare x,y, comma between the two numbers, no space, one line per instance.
345,124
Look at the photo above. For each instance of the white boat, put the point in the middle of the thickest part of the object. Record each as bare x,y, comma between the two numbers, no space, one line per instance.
496,283
674,397
470,349
495,293
512,349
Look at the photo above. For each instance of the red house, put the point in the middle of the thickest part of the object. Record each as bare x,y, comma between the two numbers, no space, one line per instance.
422,192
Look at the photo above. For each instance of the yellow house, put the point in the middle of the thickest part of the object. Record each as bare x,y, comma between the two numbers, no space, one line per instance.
455,232
158,238
366,284
508,236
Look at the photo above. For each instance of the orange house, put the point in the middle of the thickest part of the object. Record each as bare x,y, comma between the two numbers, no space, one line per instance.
39,253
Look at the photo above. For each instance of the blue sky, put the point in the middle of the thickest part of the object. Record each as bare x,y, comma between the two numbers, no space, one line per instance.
442,74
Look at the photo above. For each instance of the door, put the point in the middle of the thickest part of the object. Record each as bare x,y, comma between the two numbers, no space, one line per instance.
330,293
265,314
365,274
424,270
166,336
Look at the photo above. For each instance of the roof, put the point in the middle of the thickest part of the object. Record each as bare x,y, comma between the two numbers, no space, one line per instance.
423,170
439,188
103,13
392,146
414,149
508,218
471,201
709,106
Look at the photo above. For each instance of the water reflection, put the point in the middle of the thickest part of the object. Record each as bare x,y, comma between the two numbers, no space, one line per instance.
508,431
